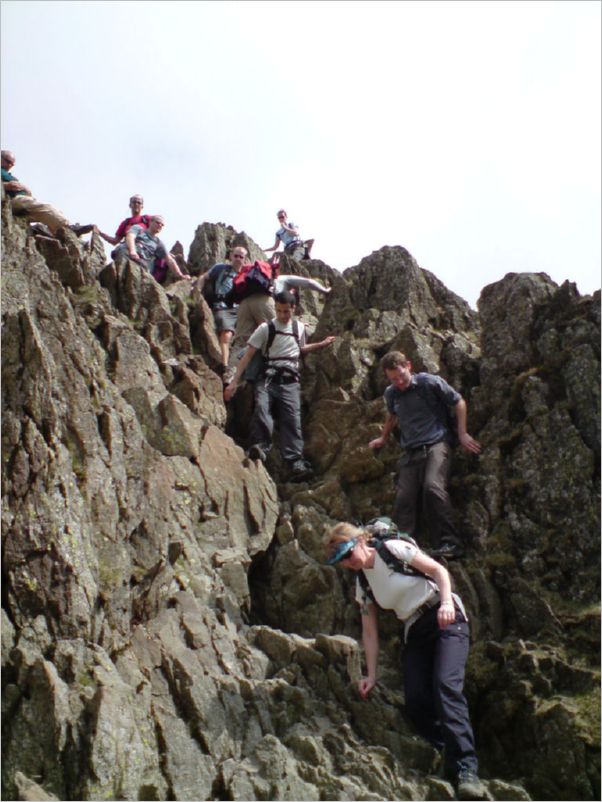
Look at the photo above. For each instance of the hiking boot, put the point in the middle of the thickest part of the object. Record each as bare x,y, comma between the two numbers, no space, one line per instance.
257,452
300,469
450,551
81,230
469,786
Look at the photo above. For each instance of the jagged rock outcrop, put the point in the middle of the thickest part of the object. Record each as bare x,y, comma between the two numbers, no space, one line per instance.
166,611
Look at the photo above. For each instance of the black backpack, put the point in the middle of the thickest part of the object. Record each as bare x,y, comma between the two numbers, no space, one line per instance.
210,289
380,530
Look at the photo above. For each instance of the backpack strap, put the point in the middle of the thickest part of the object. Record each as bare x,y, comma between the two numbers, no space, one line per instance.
393,562
439,409
272,332
365,585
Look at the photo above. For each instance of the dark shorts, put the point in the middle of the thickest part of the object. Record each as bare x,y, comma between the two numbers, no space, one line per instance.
225,319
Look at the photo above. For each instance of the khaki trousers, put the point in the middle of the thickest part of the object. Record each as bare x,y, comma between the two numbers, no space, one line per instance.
39,212
252,312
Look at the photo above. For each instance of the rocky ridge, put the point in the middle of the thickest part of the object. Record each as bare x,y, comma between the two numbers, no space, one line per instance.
166,611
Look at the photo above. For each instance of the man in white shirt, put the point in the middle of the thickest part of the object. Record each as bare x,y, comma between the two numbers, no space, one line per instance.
282,342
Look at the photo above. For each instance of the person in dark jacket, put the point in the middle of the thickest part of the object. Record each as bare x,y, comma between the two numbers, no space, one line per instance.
430,415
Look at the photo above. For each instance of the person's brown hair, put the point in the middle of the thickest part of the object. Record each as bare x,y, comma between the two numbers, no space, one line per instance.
393,360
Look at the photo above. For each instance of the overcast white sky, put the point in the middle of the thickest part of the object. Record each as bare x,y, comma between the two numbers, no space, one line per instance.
468,132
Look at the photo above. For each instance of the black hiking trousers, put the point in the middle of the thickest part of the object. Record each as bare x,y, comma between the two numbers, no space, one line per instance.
433,675
286,398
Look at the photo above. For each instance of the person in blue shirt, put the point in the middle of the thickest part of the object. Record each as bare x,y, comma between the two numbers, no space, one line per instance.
421,404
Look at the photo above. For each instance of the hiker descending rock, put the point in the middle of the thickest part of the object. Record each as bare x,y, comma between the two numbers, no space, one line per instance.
422,405
282,342
216,286
136,219
288,235
252,290
23,202
394,574
145,247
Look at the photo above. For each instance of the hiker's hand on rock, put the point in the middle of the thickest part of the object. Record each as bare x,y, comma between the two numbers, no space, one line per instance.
230,390
378,442
469,443
365,685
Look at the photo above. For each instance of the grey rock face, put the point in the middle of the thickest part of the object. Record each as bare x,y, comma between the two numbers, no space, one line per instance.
169,629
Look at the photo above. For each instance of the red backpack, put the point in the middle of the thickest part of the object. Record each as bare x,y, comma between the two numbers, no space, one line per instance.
251,279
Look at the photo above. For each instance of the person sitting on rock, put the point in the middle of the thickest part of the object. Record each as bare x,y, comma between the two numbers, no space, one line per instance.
136,219
23,202
144,247
221,277
282,343
418,590
288,235
421,404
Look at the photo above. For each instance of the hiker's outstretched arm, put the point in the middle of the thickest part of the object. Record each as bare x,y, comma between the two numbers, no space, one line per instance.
240,369
175,267
307,349
108,238
371,646
274,246
466,441
302,282
380,442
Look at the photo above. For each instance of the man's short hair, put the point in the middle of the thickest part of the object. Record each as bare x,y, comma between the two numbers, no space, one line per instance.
281,211
137,197
392,360
285,297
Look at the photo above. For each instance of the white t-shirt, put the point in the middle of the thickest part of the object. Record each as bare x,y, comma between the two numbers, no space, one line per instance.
394,591
284,345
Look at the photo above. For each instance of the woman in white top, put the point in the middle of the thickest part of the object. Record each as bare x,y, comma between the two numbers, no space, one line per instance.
419,592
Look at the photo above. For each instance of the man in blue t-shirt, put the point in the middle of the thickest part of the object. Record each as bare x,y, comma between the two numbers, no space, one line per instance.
221,277
421,405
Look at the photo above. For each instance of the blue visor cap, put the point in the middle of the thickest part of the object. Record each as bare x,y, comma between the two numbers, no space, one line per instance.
342,551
